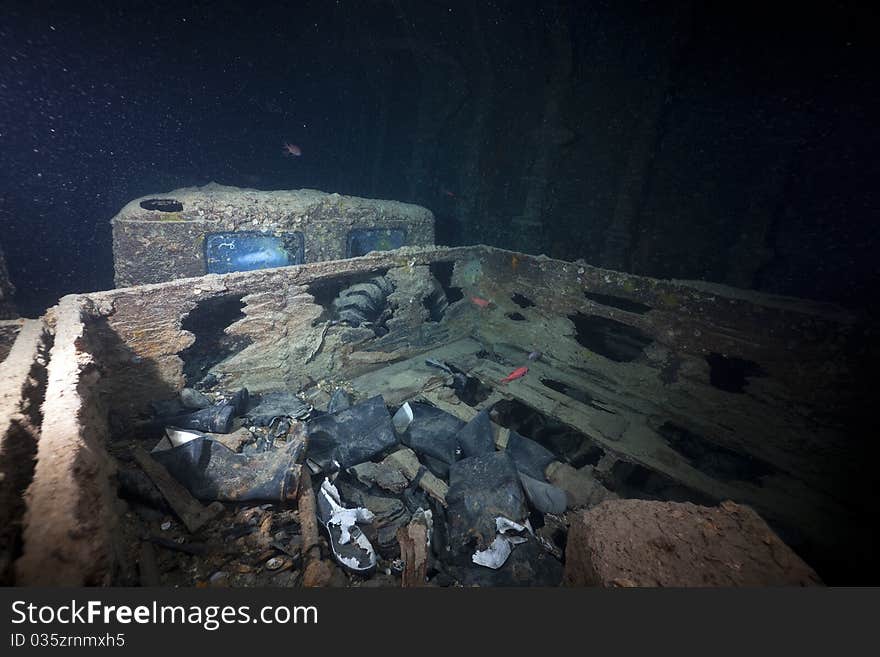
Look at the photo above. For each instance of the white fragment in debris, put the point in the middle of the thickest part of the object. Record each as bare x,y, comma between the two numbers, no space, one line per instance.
358,514
402,418
346,519
331,490
429,521
503,525
428,517
351,562
165,526
178,437
496,554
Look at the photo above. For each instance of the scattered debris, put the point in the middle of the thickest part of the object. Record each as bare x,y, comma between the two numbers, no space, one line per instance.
212,471
179,546
552,535
476,437
582,488
271,405
402,418
432,434
235,440
191,398
389,514
350,437
217,419
544,497
406,461
509,534
349,544
457,379
530,457
379,472
480,489
384,475
193,514
137,487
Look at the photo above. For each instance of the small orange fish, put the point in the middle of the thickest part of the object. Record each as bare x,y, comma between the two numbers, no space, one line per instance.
514,263
518,373
291,150
482,303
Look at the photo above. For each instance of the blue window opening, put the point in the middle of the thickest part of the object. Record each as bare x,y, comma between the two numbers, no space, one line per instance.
247,251
363,240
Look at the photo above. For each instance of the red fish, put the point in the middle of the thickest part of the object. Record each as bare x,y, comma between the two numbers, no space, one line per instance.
518,373
482,303
291,150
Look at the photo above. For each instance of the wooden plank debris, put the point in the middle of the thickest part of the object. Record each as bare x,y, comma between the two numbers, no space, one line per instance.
413,541
191,512
318,571
408,463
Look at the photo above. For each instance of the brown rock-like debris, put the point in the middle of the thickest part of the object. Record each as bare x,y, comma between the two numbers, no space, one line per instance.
647,543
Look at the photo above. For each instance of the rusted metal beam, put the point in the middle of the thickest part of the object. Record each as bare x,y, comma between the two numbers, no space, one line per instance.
318,572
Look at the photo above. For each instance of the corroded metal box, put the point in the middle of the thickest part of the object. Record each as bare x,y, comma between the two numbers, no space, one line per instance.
216,229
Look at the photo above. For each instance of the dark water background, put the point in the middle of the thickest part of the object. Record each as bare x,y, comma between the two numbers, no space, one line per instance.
725,141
